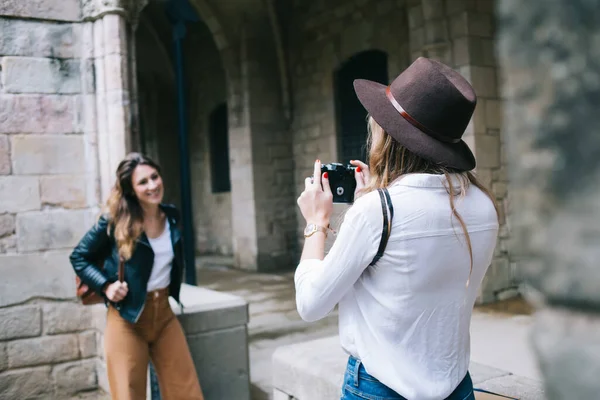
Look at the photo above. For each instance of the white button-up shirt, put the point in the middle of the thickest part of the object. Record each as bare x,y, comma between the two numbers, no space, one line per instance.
406,318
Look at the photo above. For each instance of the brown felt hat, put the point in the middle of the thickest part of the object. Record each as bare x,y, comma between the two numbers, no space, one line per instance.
426,109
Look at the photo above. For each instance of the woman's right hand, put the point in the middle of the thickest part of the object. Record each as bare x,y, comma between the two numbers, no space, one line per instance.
362,176
116,291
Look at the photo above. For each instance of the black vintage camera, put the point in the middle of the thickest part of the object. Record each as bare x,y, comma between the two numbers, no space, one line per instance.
341,181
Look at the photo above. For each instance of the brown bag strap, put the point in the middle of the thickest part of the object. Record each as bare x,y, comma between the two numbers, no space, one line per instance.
121,269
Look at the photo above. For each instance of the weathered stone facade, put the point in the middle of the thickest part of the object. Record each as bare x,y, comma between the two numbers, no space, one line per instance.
83,83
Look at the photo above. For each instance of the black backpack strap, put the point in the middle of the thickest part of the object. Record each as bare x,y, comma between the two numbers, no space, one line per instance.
387,209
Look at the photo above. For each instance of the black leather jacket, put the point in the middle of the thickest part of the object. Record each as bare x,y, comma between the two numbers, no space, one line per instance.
98,245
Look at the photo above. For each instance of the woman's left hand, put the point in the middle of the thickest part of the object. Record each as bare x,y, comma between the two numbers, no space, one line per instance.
316,202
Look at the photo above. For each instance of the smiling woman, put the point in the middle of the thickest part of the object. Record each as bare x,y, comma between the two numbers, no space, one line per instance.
140,230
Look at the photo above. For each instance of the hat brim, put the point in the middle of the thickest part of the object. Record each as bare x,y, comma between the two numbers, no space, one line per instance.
373,97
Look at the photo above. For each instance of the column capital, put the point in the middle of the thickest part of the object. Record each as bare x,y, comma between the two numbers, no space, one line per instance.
95,9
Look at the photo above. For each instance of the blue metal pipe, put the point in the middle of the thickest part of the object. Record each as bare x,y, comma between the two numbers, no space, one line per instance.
184,160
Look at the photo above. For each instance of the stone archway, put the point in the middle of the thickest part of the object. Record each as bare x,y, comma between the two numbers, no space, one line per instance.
205,88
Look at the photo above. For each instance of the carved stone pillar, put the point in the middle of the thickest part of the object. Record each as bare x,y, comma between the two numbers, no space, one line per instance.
109,24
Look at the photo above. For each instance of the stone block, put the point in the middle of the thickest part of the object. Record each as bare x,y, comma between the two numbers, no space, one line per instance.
461,52
221,360
218,346
310,370
67,191
20,113
4,155
3,357
20,322
42,350
415,17
40,75
493,114
55,154
54,277
19,193
207,310
483,80
30,383
7,225
459,25
38,39
457,6
52,229
66,318
115,34
88,344
487,151
436,32
500,189
417,39
115,72
517,387
102,376
74,377
433,9
60,10
481,25
8,244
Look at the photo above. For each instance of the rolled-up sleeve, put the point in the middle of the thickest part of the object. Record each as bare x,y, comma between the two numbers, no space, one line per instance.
321,284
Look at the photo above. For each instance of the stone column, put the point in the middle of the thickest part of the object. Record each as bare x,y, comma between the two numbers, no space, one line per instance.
460,33
263,207
551,69
111,34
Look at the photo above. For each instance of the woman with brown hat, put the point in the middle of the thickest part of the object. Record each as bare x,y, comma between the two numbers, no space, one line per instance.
404,315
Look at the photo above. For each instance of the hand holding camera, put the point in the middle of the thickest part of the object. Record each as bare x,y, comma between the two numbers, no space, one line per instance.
346,181
315,202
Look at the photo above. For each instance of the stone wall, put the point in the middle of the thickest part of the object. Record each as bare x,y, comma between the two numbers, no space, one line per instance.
48,189
206,85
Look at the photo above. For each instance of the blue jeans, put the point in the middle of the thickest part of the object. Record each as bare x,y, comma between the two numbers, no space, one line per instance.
358,385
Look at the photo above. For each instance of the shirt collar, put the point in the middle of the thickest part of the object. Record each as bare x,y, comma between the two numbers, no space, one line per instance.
425,180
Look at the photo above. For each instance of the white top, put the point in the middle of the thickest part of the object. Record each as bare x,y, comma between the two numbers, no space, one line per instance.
160,277
407,317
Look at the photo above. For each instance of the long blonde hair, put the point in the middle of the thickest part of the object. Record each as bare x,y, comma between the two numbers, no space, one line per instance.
126,217
389,160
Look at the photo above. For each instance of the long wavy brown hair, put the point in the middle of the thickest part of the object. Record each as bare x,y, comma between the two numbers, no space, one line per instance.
389,161
125,212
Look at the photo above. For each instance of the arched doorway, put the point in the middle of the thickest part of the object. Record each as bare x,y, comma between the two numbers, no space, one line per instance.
167,50
350,114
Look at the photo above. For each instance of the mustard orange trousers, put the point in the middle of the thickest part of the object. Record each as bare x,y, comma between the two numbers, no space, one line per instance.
157,336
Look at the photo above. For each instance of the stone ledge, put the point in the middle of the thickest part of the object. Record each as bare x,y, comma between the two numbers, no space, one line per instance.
215,327
315,370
